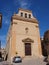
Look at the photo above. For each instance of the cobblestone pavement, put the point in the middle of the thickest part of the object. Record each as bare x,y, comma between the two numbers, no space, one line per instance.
5,63
26,61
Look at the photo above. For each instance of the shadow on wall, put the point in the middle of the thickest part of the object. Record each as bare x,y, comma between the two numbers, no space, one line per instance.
0,55
6,57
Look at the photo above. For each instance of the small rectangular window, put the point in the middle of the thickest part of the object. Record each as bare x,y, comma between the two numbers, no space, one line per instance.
25,15
29,15
21,14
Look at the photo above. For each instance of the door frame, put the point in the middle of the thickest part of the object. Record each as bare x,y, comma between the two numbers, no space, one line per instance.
26,47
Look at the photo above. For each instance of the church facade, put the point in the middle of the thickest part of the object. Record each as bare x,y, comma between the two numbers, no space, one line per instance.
23,37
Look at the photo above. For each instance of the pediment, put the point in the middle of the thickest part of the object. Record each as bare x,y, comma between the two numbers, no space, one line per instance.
28,40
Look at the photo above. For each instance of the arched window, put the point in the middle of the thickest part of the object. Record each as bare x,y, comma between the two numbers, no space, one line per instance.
29,15
21,14
25,15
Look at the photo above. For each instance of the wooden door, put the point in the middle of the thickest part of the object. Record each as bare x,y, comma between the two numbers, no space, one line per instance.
27,48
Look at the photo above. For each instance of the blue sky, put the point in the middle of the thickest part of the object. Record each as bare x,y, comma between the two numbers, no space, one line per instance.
40,9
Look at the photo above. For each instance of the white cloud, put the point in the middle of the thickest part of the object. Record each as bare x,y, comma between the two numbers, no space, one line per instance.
3,40
2,37
6,22
22,3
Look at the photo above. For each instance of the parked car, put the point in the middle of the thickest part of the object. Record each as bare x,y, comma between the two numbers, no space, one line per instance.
1,59
45,60
17,59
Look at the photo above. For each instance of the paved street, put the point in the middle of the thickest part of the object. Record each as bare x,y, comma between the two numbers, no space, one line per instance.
26,61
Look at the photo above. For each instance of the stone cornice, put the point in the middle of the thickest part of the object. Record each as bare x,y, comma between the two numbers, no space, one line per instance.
32,20
25,10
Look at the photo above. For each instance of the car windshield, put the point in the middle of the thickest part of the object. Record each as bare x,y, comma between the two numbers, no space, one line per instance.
18,57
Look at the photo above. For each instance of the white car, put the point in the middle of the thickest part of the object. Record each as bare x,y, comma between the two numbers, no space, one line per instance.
1,59
17,59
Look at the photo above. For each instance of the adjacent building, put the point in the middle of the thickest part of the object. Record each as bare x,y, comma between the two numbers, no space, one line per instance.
0,27
23,37
0,20
45,43
46,36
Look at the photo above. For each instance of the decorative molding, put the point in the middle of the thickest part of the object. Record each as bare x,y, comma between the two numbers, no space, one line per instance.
26,29
14,22
27,40
32,20
37,26
25,10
